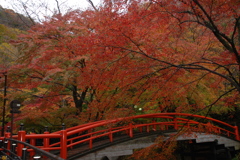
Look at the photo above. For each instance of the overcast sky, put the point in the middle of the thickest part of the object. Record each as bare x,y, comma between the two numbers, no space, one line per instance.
83,4
73,3
33,6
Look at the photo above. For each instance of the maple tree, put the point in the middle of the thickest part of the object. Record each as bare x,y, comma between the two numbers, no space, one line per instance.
188,37
157,55
82,75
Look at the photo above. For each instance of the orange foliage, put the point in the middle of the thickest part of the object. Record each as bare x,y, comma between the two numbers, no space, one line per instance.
162,55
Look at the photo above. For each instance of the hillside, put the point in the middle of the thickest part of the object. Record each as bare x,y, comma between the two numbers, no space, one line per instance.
14,20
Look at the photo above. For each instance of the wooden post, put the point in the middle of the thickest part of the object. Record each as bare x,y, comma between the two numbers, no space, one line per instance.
63,152
130,130
175,124
148,128
32,142
236,133
91,142
21,137
110,135
154,126
7,134
46,141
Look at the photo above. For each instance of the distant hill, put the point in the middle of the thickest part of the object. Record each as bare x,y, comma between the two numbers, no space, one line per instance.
14,20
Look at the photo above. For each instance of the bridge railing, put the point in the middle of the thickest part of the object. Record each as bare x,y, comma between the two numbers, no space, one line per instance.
154,126
27,142
88,133
11,153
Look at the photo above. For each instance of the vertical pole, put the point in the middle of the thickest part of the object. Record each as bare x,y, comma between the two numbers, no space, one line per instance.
63,153
175,124
21,137
91,142
24,154
13,147
130,130
236,133
12,124
7,135
148,128
154,126
46,140
4,103
110,135
32,142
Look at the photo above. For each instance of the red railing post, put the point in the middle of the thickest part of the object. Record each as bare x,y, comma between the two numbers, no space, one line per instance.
46,140
236,133
175,124
63,152
209,127
130,130
32,142
110,135
21,137
148,128
91,142
154,126
161,127
7,134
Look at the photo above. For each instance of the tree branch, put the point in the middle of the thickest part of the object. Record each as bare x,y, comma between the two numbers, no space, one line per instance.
58,7
91,3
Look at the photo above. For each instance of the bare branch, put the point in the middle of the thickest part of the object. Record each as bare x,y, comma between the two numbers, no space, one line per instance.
91,3
58,7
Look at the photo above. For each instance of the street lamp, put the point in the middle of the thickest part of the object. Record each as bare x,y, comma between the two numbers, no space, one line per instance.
15,106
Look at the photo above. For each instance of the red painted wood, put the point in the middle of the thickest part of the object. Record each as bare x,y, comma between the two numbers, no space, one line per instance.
158,121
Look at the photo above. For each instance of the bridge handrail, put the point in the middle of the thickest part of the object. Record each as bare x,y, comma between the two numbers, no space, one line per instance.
79,126
89,132
158,115
185,114
113,130
47,154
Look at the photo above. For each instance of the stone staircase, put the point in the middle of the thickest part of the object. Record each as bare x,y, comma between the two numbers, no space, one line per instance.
191,150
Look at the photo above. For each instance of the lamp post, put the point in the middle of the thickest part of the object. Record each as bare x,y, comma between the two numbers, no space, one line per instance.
15,106
4,103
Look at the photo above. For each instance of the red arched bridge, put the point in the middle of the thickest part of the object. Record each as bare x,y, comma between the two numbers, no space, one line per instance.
58,145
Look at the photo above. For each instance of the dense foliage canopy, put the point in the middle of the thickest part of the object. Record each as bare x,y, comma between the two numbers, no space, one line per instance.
128,57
